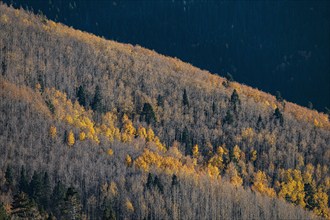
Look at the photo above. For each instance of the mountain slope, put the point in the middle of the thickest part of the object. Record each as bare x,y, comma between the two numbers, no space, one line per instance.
57,77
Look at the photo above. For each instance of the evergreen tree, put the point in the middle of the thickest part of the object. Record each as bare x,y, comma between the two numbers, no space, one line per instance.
160,101
71,207
186,140
158,184
108,212
148,114
9,177
97,100
174,180
214,107
185,98
235,101
149,181
279,96
23,208
259,123
278,115
3,67
23,185
46,191
57,198
81,94
36,187
229,118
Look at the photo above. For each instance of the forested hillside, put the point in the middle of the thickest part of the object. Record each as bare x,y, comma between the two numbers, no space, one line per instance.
91,128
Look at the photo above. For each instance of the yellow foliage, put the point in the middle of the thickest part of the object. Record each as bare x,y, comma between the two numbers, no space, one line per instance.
260,184
236,153
308,173
113,188
125,118
110,152
213,171
70,139
248,134
141,164
195,151
128,160
253,155
26,21
150,135
109,119
82,136
236,181
129,206
37,87
159,145
69,119
142,132
125,138
152,159
232,173
216,161
317,123
321,199
292,188
4,18
52,131
129,131
220,151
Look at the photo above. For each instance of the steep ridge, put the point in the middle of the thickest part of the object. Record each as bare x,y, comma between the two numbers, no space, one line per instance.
225,129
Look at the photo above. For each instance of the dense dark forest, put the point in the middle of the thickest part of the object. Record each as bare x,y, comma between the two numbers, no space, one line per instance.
94,129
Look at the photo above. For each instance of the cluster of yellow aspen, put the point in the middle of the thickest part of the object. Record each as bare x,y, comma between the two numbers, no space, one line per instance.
291,184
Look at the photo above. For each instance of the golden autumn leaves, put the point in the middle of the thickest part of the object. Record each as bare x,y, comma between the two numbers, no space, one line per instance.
81,121
226,163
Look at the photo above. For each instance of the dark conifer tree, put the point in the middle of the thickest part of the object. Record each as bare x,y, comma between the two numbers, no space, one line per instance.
148,114
185,98
279,116
71,207
3,67
81,95
150,181
9,177
235,101
23,208
57,198
23,184
229,118
97,100
36,187
108,212
160,101
279,96
174,180
46,192
158,184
